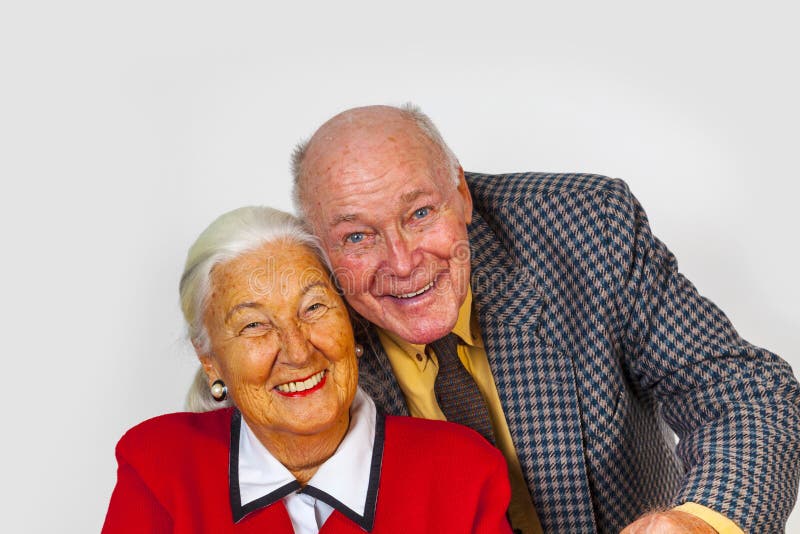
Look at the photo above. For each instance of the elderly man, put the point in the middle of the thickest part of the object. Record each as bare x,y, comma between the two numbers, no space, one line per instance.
541,311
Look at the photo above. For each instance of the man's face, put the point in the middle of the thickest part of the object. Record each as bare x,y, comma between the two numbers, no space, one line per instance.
384,203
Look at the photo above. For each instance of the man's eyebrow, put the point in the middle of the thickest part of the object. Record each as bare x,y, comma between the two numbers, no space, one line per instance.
411,196
348,217
241,306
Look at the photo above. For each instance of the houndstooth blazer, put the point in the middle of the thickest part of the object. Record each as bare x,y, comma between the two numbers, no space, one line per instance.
600,349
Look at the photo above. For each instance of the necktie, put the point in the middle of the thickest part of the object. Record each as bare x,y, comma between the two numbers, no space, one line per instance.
456,391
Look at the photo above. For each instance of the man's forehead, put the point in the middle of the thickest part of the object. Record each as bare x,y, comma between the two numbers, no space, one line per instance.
357,170
362,213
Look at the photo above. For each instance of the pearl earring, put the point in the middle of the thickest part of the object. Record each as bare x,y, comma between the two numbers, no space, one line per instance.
359,350
219,390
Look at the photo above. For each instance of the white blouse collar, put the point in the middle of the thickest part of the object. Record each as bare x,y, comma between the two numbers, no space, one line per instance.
347,481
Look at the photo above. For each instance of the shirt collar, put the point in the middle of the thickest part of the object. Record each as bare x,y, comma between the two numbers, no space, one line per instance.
466,327
347,481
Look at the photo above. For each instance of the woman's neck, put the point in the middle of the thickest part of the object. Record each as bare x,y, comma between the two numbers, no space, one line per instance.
300,454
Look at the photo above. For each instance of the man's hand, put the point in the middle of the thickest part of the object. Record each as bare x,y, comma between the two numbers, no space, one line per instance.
669,522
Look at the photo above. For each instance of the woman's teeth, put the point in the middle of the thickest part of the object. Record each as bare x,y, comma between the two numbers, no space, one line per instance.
308,383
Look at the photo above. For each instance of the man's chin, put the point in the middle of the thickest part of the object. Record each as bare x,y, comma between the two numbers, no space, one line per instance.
419,325
419,334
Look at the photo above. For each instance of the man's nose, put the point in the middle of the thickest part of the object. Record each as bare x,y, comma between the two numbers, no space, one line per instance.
401,254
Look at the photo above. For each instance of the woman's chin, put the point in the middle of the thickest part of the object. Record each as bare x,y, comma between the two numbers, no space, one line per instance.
308,419
318,426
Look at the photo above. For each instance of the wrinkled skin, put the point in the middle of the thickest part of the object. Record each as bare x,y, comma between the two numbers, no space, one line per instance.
392,215
274,318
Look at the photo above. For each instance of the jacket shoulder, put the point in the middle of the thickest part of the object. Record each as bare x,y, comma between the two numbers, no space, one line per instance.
496,189
165,438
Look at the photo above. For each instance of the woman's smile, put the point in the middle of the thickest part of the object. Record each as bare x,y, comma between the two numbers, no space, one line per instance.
304,386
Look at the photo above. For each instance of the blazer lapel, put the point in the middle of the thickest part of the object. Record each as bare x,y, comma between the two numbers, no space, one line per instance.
536,383
375,374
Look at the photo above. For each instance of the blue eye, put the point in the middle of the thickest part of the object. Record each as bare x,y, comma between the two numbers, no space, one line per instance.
356,237
422,213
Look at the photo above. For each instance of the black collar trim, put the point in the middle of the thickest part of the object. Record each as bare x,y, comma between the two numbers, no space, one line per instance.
366,522
239,511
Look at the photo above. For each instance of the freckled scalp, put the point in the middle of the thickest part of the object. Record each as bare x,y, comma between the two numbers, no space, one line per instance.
367,119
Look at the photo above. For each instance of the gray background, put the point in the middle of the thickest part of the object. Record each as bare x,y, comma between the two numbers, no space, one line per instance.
125,128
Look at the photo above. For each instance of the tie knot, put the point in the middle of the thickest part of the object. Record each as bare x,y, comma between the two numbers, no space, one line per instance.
445,348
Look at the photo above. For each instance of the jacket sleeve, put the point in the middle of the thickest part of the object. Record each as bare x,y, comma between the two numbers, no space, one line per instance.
133,506
735,407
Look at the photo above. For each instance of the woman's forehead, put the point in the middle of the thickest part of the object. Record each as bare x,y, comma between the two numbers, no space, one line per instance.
275,270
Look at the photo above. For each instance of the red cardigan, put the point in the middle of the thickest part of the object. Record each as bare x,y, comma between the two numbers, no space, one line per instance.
435,477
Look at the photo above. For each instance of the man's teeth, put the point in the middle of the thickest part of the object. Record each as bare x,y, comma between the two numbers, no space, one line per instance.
308,383
415,293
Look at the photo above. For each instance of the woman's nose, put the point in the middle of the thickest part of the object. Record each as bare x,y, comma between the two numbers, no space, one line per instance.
296,349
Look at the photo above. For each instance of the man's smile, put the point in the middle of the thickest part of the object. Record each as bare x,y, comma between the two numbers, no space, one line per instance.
414,293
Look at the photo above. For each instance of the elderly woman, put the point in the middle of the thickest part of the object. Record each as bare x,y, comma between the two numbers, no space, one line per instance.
301,448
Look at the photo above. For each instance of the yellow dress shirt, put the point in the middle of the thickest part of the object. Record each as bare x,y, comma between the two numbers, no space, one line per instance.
416,369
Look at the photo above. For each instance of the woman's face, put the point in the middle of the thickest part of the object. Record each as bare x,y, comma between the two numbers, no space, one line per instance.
281,341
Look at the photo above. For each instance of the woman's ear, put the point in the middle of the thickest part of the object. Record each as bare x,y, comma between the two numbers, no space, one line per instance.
208,363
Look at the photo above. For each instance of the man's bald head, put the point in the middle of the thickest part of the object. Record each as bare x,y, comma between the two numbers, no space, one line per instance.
353,132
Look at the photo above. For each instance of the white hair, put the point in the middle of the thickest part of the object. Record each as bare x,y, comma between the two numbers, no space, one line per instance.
409,111
228,237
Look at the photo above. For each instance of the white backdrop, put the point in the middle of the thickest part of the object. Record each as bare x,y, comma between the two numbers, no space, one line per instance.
125,128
